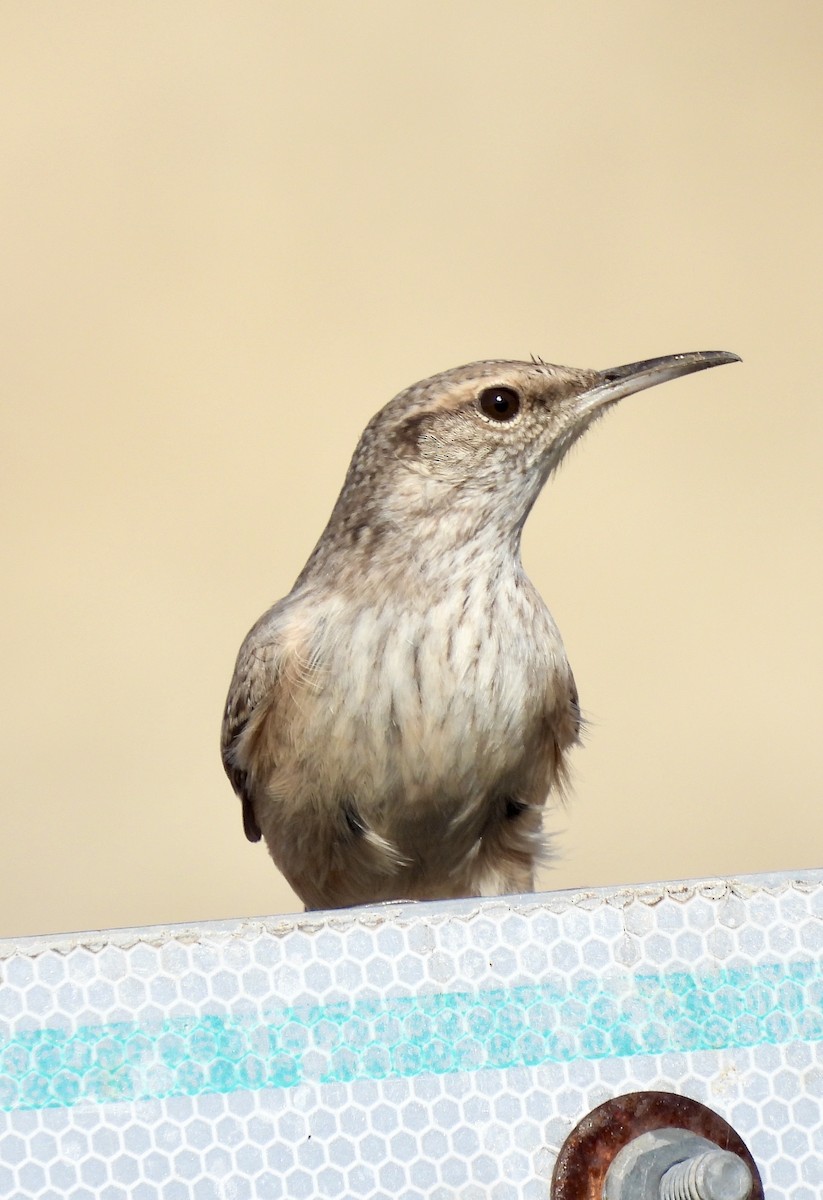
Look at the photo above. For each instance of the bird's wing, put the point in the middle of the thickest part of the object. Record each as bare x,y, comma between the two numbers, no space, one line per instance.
565,724
253,693
576,722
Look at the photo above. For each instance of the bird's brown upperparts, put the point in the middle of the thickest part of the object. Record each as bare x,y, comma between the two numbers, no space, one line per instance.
396,723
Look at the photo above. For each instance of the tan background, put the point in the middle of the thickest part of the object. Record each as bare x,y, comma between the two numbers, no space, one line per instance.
231,231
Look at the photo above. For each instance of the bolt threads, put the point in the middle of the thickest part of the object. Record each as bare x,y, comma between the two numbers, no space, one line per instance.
714,1175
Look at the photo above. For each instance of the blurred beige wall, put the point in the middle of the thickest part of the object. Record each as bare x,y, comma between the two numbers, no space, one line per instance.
231,231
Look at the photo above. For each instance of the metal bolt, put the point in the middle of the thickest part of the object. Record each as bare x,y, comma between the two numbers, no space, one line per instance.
713,1175
672,1164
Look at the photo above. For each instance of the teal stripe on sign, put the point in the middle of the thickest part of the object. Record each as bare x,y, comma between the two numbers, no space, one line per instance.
401,1037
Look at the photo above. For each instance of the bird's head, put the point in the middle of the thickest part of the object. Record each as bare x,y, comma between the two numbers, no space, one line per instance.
468,450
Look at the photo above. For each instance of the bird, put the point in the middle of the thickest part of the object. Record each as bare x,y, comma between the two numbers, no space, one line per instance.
396,723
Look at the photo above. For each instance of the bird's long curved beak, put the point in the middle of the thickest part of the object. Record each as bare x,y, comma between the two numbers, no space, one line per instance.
617,382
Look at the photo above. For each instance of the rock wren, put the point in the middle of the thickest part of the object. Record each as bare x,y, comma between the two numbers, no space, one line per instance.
396,723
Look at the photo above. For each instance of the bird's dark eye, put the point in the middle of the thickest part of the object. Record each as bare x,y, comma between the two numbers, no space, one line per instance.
499,403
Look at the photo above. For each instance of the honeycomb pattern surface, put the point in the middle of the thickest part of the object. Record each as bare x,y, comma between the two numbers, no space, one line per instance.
436,1051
